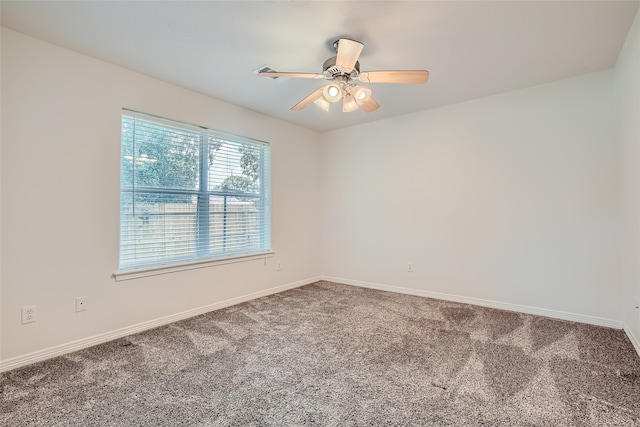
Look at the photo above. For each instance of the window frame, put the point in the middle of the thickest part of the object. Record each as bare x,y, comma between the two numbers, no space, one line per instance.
203,255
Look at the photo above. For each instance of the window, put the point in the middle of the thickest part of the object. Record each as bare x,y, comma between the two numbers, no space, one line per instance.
190,194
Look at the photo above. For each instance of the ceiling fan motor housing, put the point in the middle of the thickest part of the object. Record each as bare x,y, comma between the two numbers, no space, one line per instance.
331,70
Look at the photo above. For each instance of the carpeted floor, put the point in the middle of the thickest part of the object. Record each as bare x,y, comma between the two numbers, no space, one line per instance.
336,355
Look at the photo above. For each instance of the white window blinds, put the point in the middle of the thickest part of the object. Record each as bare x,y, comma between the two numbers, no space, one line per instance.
189,194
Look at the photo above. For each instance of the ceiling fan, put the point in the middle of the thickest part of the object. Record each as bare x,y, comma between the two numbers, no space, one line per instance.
341,70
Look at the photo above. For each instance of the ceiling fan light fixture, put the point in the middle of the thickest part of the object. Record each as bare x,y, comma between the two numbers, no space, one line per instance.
349,104
361,94
322,103
332,92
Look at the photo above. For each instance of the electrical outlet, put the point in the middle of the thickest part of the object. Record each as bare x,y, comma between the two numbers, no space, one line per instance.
29,314
410,267
279,266
81,304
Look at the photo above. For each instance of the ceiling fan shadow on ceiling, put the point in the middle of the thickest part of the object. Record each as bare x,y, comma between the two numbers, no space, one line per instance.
341,70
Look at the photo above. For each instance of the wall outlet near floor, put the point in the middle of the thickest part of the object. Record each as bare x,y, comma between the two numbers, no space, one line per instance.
81,304
29,314
279,266
410,267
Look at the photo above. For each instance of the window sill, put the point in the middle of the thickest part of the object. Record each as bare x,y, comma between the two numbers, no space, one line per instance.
137,273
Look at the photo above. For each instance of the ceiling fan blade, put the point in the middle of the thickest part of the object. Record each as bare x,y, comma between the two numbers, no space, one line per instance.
348,53
405,76
308,100
275,74
370,105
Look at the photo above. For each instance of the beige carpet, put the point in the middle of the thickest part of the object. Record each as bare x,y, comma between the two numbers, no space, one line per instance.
336,355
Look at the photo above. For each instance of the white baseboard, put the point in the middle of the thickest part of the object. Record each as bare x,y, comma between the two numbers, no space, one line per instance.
59,350
592,320
634,340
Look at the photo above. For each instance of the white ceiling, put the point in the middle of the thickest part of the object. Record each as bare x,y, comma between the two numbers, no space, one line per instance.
471,49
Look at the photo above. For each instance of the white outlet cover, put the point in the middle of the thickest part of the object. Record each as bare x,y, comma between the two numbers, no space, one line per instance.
29,314
81,304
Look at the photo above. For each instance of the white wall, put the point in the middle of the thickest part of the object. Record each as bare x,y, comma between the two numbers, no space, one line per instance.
60,198
510,198
627,79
